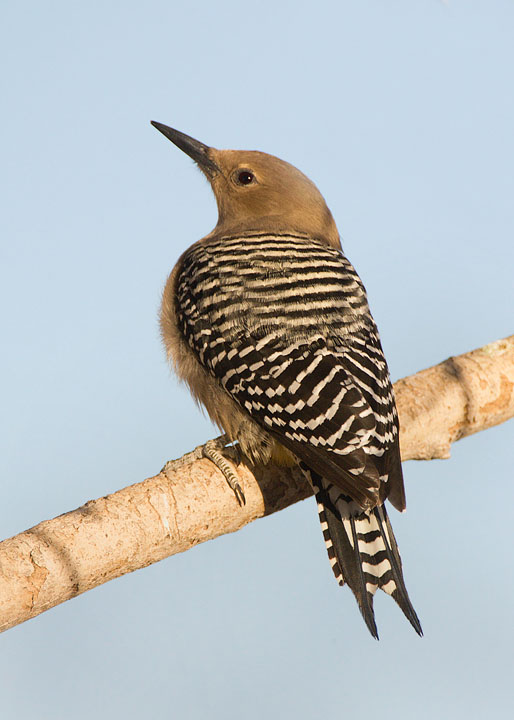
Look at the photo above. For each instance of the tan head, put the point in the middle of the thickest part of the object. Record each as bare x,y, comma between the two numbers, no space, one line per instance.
256,191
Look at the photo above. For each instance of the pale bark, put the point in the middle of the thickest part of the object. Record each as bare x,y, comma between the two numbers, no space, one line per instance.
189,502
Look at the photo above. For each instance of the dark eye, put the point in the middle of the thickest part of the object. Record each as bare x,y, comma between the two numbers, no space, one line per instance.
245,177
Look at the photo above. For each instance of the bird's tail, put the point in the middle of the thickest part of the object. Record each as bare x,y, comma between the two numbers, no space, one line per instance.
362,550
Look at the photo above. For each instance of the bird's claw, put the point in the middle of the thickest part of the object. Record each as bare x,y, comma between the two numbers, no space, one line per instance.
211,450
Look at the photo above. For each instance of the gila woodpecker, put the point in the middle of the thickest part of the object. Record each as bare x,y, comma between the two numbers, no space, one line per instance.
268,323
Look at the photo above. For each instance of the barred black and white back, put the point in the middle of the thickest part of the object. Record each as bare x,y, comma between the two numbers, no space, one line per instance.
282,322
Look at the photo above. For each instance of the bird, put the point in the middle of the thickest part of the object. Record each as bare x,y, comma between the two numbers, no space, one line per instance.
268,323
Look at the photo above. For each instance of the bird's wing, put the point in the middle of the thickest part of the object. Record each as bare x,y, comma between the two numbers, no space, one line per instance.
307,399
283,324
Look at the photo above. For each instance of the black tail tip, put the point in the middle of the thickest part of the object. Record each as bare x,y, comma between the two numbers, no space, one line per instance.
409,612
417,627
369,618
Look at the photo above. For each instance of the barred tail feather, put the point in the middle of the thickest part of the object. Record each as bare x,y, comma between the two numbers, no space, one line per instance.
363,551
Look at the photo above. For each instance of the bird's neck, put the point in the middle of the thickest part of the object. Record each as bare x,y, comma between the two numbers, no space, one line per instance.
272,224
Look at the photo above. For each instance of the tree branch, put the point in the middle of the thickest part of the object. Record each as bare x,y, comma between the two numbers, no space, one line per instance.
189,502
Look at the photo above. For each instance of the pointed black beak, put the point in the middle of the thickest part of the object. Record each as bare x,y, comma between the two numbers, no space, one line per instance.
195,149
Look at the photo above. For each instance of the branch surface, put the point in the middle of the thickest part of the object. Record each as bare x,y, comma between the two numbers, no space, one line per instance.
189,501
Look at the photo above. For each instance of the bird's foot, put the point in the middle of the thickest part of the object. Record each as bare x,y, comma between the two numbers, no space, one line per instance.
213,451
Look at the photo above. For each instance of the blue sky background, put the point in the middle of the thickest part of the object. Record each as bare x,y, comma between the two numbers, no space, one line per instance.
403,114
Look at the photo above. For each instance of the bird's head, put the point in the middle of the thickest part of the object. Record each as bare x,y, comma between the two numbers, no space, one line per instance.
259,192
